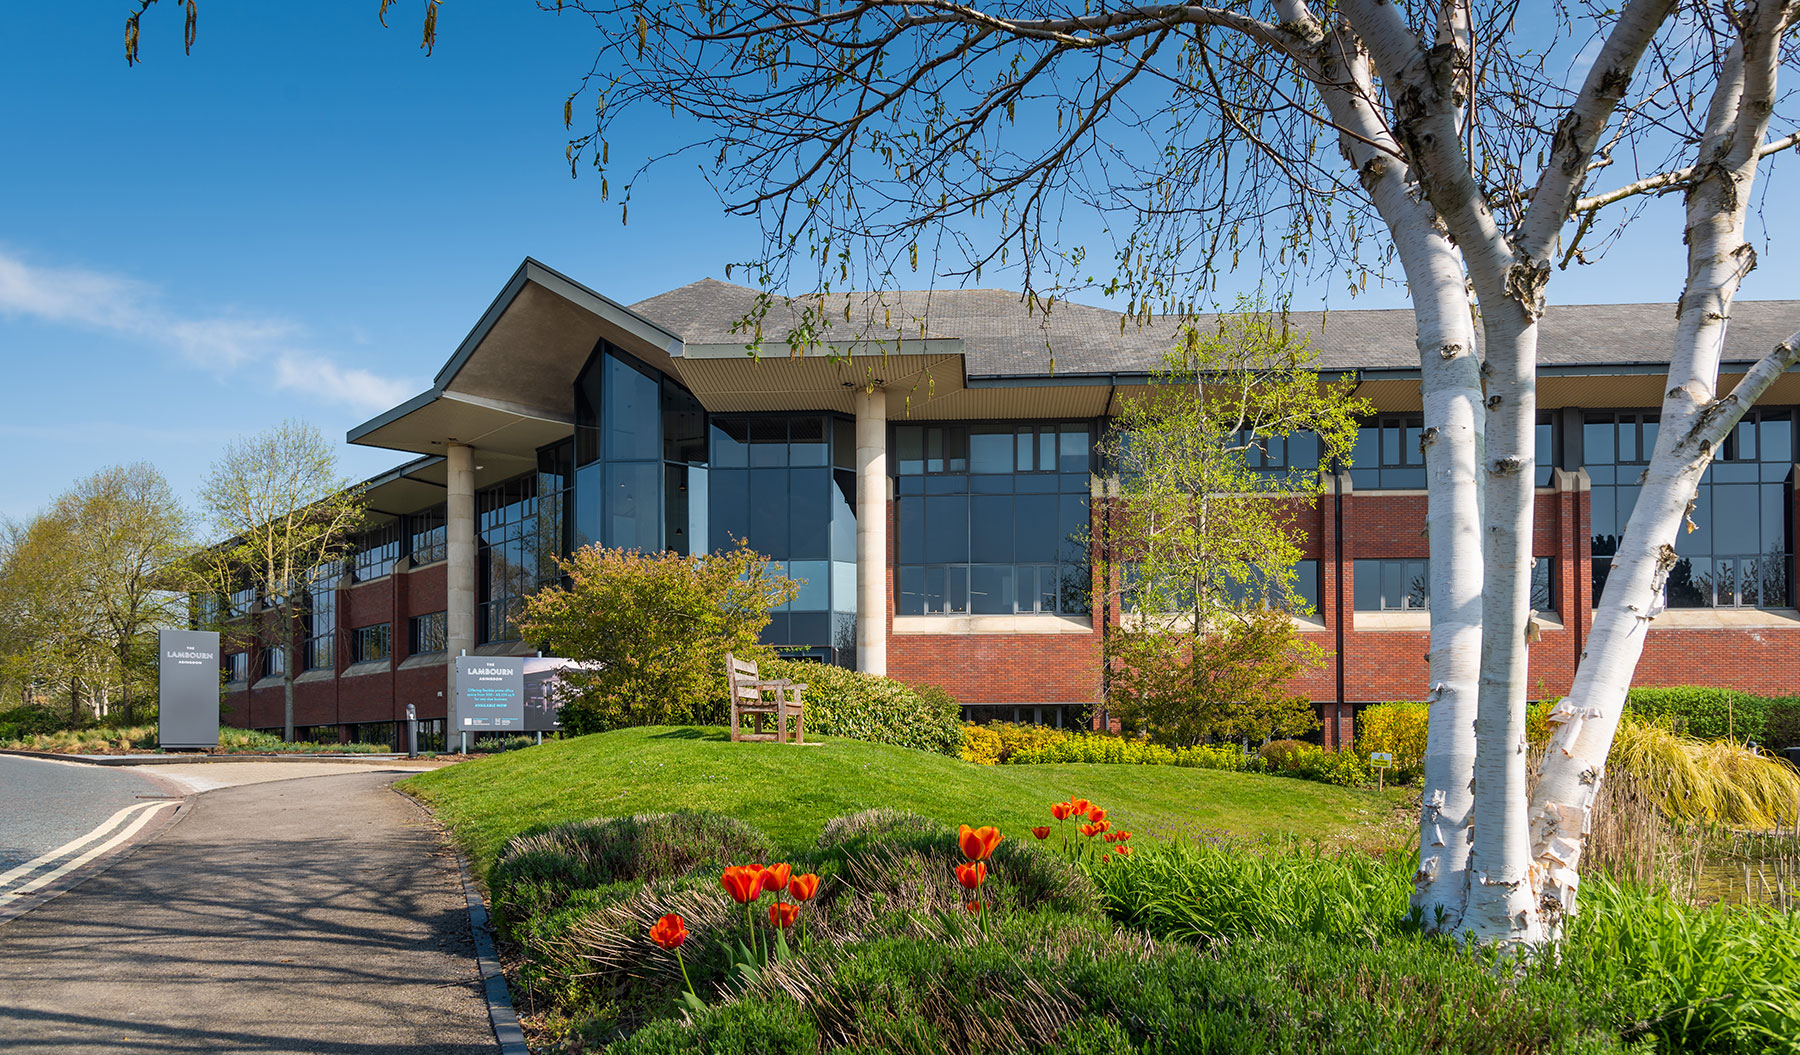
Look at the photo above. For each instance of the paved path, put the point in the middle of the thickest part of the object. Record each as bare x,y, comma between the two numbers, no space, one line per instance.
298,915
44,805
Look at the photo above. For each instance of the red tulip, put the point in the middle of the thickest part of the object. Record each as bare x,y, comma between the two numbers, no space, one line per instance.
1061,810
1042,833
978,843
973,907
775,877
1096,815
1088,830
971,875
803,887
782,914
669,932
1079,806
743,882
1122,851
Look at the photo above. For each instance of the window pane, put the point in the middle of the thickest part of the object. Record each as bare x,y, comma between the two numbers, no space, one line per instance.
1075,449
769,511
632,502
843,514
956,450
1744,441
632,405
1303,450
1393,577
912,591
910,514
1027,459
1367,452
957,590
768,442
1735,518
1690,583
991,589
991,538
990,449
909,447
936,591
1390,445
1628,440
1777,439
806,442
809,502
684,425
1036,528
843,443
1046,460
1306,583
1542,598
729,506
946,530
730,443
1072,545
814,577
1649,441
934,450
843,586
1367,581
1597,443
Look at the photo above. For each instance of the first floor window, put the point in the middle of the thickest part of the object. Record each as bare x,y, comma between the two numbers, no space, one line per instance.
237,666
1405,585
428,633
369,643
274,661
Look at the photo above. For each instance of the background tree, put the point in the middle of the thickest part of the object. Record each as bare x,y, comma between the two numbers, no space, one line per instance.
1470,137
655,629
278,507
132,540
1209,535
50,641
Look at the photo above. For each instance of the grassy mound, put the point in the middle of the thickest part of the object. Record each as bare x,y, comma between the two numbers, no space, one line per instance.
791,792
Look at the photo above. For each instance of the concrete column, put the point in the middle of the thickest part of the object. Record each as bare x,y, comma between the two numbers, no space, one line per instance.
871,531
459,567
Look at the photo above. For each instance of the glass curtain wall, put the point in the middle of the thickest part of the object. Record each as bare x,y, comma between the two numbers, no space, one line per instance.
787,485
519,531
1739,550
993,519
1388,455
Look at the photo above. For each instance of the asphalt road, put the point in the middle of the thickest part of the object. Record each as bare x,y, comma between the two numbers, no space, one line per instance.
44,804
320,914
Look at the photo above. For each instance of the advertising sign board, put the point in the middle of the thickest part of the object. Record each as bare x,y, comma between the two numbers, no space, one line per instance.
545,691
490,694
187,682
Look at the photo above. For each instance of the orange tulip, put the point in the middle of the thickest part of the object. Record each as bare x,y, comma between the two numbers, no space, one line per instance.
1117,837
743,882
1042,833
669,932
775,877
971,875
978,843
1100,826
1079,806
1088,830
1061,810
1122,851
782,914
803,887
1096,815
973,907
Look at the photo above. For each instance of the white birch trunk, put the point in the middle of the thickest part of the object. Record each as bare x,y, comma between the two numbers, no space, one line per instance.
1694,422
1454,423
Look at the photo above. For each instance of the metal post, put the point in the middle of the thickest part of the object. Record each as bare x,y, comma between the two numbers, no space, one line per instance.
412,731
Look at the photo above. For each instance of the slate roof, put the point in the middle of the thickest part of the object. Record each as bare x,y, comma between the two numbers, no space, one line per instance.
1001,339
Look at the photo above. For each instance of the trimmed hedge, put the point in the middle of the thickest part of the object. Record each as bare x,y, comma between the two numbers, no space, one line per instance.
1005,743
849,703
1704,713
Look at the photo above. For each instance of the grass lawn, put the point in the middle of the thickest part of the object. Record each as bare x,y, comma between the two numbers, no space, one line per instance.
790,792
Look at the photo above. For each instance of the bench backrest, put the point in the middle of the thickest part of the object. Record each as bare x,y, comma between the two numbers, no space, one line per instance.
741,679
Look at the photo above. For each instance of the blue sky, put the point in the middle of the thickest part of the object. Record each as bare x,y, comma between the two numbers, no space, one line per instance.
305,216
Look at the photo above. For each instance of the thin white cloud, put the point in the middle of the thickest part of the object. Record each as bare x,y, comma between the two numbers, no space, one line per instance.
70,296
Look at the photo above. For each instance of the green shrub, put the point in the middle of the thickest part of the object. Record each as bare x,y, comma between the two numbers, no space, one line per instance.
1702,712
849,703
23,723
1399,729
1296,758
1782,727
1012,744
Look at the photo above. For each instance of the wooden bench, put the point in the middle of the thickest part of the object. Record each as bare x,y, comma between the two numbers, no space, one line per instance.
750,695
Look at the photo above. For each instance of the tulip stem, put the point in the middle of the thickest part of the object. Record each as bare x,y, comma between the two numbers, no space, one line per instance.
684,974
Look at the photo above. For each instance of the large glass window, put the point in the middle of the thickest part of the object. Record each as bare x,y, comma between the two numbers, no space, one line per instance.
775,481
376,552
427,633
429,541
236,666
370,643
993,518
519,531
274,661
1737,551
321,616
1405,585
1389,453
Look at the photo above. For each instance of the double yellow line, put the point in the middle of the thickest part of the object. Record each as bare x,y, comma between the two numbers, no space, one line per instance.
39,872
